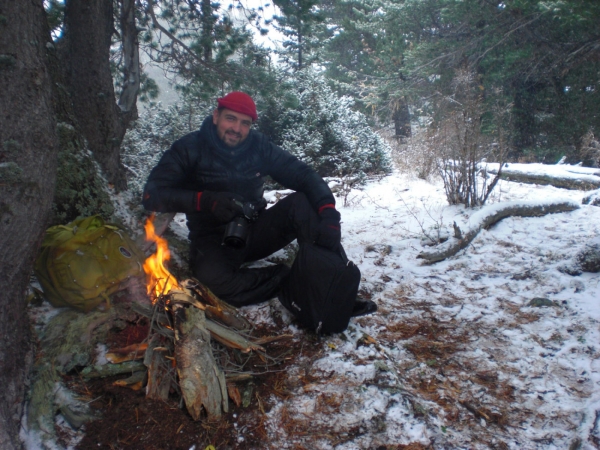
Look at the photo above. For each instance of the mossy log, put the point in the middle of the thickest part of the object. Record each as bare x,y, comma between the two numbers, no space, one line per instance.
486,220
109,370
66,342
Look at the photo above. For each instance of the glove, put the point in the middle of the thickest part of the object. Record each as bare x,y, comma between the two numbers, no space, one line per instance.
330,231
222,205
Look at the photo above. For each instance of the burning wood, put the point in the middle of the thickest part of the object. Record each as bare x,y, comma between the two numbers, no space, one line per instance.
185,317
215,308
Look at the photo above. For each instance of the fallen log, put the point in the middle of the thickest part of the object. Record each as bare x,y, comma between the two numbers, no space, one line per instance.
565,179
201,381
487,217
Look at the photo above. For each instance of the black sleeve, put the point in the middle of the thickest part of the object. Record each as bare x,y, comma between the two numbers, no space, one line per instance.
167,188
294,174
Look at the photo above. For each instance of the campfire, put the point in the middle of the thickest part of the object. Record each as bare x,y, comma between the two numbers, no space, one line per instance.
159,279
188,325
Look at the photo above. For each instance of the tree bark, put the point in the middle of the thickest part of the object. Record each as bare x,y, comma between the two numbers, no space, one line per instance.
131,58
201,381
28,155
452,247
85,53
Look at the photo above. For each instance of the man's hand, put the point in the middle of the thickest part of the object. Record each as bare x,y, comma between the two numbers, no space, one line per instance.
222,205
330,231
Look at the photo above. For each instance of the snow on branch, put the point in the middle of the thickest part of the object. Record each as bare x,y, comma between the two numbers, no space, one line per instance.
559,175
592,198
490,215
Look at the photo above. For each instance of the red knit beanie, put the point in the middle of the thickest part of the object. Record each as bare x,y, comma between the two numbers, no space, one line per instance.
239,102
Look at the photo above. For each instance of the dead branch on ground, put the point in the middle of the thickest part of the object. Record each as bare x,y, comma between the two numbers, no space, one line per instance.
453,246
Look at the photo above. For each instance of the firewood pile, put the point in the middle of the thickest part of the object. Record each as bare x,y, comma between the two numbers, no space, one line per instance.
193,348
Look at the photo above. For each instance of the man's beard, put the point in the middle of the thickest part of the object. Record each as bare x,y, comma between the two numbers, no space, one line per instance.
231,138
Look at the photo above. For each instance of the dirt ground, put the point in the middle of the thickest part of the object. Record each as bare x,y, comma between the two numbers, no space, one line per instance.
129,420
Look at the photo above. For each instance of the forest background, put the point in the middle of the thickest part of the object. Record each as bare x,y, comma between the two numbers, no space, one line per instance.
353,85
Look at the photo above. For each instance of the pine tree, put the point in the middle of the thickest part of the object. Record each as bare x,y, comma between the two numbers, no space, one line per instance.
301,23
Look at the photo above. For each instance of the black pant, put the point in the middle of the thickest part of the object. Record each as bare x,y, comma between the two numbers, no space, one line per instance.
218,266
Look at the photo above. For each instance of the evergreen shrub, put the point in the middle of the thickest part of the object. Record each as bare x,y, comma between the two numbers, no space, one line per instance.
322,129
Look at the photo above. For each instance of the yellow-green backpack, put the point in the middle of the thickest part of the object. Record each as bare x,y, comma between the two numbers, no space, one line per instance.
83,263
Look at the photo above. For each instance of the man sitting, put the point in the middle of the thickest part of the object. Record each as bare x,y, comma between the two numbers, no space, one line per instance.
215,176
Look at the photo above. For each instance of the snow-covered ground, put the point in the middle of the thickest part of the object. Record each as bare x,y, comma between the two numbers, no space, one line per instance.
491,348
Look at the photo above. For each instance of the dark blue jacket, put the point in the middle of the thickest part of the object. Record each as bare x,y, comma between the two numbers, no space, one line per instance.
200,161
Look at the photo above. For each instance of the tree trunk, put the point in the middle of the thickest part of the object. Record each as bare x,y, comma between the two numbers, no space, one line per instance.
208,26
85,53
524,111
401,118
28,155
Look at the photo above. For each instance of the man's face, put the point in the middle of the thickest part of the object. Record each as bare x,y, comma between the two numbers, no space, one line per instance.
232,127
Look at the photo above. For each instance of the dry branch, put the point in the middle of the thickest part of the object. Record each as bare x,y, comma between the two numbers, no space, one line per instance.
161,373
135,381
108,370
230,338
269,339
497,213
215,308
129,353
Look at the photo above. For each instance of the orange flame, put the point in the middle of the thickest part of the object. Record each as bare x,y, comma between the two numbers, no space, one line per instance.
159,280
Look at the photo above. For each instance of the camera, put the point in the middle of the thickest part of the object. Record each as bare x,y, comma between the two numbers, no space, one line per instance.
236,231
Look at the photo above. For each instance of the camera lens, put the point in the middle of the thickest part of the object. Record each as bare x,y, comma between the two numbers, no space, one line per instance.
236,232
